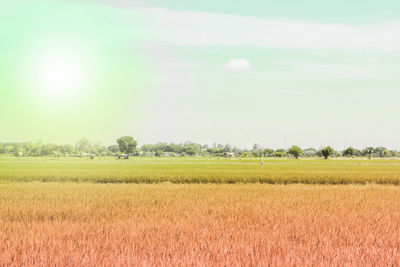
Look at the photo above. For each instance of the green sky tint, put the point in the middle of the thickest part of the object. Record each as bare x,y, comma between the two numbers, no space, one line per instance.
321,10
115,93
315,72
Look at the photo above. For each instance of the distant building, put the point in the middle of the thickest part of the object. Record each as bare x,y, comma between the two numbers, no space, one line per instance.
229,155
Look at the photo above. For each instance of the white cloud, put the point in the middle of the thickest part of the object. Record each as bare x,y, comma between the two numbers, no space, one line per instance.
238,64
190,28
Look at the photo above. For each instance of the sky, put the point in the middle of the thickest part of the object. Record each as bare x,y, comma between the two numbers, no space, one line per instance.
276,73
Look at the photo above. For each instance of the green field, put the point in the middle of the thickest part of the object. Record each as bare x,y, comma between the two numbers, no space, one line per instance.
200,170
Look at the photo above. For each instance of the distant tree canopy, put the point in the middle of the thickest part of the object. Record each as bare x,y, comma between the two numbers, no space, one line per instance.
368,151
295,151
349,152
279,153
327,151
268,152
127,145
38,149
113,148
83,145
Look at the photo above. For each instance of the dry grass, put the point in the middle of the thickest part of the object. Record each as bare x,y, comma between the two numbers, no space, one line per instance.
58,224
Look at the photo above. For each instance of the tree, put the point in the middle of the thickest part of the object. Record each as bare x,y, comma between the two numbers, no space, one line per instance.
349,152
382,152
66,149
368,152
191,152
113,148
245,154
295,151
327,151
19,152
83,145
280,153
127,145
257,147
227,148
268,152
385,153
256,153
158,153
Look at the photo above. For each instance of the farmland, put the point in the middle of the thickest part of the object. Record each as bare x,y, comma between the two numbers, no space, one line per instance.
200,170
201,212
58,224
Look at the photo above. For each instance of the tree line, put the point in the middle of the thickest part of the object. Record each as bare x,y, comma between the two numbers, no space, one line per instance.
127,146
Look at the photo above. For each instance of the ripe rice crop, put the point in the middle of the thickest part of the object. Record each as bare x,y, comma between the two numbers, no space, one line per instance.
191,170
70,224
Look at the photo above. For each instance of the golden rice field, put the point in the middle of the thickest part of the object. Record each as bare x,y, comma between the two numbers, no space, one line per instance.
198,170
199,212
70,224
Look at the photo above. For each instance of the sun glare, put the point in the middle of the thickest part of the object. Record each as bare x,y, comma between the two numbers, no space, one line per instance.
60,73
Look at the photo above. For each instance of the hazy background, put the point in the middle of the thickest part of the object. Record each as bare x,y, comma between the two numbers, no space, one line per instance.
238,72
